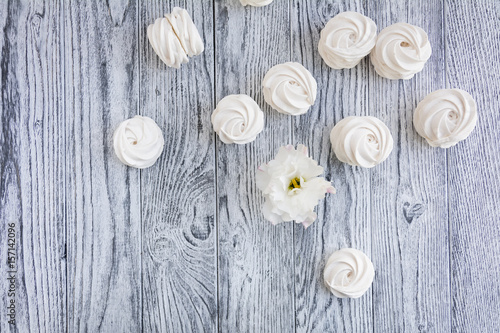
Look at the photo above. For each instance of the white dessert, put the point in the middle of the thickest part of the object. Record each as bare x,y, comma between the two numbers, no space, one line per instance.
361,141
237,119
346,39
289,88
401,51
255,3
166,44
138,142
186,31
348,273
175,38
445,117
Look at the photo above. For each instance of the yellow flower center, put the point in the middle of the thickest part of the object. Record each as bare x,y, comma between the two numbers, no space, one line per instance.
294,183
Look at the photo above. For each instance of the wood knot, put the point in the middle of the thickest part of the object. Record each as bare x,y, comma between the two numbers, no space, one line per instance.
36,22
163,248
412,212
37,127
201,228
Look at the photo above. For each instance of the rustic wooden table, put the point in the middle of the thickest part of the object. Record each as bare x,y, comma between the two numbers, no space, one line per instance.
183,246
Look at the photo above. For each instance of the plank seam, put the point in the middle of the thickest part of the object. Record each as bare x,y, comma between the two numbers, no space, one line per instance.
447,156
63,33
216,166
292,140
139,53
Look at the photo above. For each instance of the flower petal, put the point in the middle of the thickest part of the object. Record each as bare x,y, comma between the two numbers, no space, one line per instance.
285,202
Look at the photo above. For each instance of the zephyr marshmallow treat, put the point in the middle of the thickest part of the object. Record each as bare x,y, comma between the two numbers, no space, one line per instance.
346,39
175,38
289,88
445,117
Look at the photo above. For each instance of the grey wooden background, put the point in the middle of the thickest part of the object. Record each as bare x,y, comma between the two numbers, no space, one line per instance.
182,246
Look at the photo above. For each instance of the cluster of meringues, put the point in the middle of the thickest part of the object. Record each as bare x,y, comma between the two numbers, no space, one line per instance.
401,50
443,118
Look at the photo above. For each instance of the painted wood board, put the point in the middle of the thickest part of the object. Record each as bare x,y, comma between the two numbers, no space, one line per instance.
255,258
33,188
343,218
409,199
183,246
101,90
472,59
179,234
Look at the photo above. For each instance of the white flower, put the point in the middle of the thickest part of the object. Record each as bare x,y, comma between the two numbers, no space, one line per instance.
292,187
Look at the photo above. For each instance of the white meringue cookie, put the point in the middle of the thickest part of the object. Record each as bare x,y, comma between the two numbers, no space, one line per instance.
166,44
237,119
361,141
138,142
348,273
186,31
445,117
346,39
256,3
175,38
289,88
401,51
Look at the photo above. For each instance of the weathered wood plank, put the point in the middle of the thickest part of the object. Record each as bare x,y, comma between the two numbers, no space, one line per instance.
343,218
71,71
104,243
32,164
178,192
256,292
410,248
473,54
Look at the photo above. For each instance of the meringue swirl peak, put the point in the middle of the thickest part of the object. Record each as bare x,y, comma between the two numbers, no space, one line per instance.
237,119
289,88
401,51
348,273
445,117
138,142
346,39
361,141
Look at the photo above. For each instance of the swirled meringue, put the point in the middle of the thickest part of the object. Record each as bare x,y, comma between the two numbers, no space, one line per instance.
346,39
175,38
186,31
289,88
348,273
166,44
138,142
361,141
401,51
256,3
445,117
237,119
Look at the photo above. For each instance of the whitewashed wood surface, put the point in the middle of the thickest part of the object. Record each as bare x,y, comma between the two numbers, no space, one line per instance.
182,246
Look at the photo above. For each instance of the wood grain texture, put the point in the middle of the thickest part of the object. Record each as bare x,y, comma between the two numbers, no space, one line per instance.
343,218
32,186
256,292
104,221
409,200
183,246
178,192
472,58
